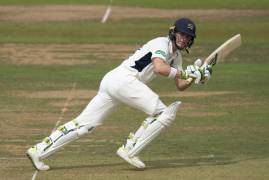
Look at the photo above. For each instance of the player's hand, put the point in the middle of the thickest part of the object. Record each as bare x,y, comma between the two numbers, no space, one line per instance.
194,72
206,73
190,72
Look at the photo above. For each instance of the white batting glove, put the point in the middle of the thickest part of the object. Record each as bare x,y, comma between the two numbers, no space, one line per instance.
207,72
194,72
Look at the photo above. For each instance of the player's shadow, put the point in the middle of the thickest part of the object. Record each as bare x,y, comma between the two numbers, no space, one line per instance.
188,162
160,164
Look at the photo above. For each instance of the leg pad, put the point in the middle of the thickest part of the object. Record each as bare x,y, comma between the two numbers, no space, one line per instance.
152,130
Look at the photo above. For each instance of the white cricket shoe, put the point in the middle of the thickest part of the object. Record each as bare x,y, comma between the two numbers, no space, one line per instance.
32,154
135,161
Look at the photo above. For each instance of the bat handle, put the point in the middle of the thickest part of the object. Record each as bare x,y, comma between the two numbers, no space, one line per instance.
190,80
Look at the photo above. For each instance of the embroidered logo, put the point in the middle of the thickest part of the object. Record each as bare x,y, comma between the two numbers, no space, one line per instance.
161,53
190,26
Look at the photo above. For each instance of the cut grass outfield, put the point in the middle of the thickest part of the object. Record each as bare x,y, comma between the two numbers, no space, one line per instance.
172,4
132,31
214,137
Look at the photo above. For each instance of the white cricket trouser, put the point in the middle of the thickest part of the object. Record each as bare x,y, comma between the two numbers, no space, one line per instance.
118,86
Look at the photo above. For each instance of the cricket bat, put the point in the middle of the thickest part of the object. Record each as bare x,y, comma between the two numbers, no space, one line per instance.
222,51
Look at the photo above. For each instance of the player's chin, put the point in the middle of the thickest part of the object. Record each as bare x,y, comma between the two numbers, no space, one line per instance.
181,46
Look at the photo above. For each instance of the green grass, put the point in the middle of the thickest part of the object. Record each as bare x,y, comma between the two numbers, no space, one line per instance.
172,4
132,32
40,77
231,142
128,32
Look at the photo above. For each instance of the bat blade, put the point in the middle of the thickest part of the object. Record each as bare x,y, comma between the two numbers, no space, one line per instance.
224,50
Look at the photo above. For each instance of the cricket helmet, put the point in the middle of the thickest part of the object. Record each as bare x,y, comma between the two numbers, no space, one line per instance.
183,25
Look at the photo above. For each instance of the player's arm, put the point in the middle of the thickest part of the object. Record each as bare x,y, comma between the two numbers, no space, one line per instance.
183,84
160,67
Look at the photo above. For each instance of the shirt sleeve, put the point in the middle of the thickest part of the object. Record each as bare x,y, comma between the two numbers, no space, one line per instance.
158,48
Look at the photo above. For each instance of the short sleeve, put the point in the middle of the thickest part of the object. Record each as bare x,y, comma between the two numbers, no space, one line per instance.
159,48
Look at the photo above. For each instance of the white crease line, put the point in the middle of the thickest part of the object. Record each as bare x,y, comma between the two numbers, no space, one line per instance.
65,107
56,125
34,175
63,110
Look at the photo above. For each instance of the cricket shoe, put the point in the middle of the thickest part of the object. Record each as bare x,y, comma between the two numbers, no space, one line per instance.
135,161
33,155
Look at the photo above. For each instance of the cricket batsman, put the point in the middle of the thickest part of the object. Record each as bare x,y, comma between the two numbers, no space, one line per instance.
127,84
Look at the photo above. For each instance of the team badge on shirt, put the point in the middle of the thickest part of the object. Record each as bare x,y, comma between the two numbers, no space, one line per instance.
161,53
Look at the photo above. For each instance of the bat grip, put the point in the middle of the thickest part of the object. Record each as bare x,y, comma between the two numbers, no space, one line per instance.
190,80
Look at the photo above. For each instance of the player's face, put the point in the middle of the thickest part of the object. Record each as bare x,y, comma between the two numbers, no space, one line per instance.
182,40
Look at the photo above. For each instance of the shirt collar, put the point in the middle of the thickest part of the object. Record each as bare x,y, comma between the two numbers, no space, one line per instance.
170,48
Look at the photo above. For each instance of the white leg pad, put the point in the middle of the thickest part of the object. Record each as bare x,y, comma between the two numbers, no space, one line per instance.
65,134
154,129
169,114
151,132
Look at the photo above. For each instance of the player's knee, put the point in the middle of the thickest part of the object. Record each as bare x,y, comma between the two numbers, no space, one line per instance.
169,114
83,130
148,121
158,108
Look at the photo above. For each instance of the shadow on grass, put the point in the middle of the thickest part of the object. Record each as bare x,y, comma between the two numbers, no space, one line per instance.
161,164
189,162
91,166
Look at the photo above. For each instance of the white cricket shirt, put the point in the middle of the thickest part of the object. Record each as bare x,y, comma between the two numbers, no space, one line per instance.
141,60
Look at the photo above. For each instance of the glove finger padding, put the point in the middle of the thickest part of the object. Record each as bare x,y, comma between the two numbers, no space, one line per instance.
206,72
200,74
190,69
194,72
198,77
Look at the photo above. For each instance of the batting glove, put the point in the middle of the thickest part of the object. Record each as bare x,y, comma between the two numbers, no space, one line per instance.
194,72
206,73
